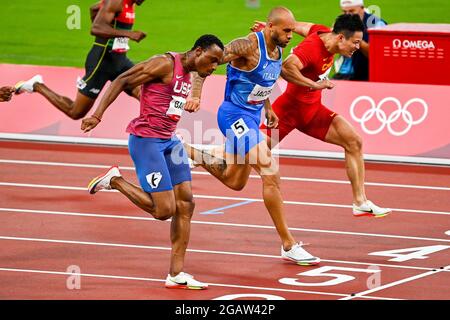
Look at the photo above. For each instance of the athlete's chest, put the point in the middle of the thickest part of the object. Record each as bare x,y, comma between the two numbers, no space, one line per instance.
323,63
127,15
321,59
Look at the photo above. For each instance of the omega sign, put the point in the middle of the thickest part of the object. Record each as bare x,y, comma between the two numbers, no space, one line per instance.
413,44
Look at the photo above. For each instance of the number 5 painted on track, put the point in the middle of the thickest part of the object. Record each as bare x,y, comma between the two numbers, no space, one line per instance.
323,272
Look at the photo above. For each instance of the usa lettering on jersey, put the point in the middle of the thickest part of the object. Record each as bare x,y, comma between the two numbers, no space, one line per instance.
182,88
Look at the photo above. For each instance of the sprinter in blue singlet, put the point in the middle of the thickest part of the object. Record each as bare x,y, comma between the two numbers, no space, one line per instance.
254,65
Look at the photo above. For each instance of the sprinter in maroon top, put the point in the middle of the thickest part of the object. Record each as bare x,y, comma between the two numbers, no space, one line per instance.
159,156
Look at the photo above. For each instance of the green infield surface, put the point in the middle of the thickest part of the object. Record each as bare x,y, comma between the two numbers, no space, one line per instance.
36,32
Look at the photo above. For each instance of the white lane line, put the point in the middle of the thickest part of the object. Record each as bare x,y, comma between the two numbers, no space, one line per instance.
161,280
201,196
226,224
192,250
125,168
396,283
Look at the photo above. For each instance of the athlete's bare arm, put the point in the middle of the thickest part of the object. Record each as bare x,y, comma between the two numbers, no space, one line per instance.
158,68
93,10
241,52
193,103
237,49
272,118
302,28
101,26
291,72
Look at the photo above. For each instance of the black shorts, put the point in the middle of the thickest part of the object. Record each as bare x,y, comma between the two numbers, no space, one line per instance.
101,65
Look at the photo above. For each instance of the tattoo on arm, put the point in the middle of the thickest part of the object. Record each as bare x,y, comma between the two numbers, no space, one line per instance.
237,48
197,85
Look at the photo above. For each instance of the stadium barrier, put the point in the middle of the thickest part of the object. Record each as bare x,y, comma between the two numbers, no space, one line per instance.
398,122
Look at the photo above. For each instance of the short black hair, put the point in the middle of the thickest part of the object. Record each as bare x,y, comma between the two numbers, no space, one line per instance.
348,24
206,41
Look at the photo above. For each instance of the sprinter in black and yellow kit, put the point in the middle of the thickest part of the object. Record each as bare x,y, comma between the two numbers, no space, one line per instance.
112,27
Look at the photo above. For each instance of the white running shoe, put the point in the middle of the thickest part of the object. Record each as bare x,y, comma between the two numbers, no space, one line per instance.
299,255
103,181
368,208
28,86
184,281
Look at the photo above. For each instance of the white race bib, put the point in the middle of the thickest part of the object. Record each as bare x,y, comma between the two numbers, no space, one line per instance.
239,128
120,45
324,76
259,94
176,107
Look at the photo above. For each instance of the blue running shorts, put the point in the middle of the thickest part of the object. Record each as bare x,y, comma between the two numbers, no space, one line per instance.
240,127
160,164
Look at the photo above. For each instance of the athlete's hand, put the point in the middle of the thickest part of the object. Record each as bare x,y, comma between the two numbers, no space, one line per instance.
324,84
258,26
272,119
6,93
192,105
137,35
89,123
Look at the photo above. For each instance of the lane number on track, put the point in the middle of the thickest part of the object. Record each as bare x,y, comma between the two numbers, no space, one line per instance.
402,255
324,272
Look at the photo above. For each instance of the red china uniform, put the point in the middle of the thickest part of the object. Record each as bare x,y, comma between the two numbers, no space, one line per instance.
300,107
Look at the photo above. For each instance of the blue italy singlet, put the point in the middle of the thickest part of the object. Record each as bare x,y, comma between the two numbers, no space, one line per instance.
249,89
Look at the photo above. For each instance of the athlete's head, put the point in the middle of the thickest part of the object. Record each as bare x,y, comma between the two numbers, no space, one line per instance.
139,2
208,52
281,24
348,29
353,7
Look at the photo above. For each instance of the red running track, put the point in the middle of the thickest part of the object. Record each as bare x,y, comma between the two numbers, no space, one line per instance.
50,227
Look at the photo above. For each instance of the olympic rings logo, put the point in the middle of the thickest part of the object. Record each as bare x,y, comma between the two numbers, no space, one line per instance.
384,119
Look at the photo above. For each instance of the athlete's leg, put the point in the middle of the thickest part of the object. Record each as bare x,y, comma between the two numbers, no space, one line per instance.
161,205
74,109
265,165
342,133
228,171
181,225
156,194
97,67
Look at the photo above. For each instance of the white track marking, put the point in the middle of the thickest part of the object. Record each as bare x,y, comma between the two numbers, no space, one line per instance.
396,283
79,165
108,244
161,280
225,224
200,196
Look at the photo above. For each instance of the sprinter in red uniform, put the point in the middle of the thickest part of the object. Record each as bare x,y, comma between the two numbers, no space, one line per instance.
112,27
159,157
300,106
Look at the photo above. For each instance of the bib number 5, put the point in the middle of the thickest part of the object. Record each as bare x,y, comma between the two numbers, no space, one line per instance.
239,128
